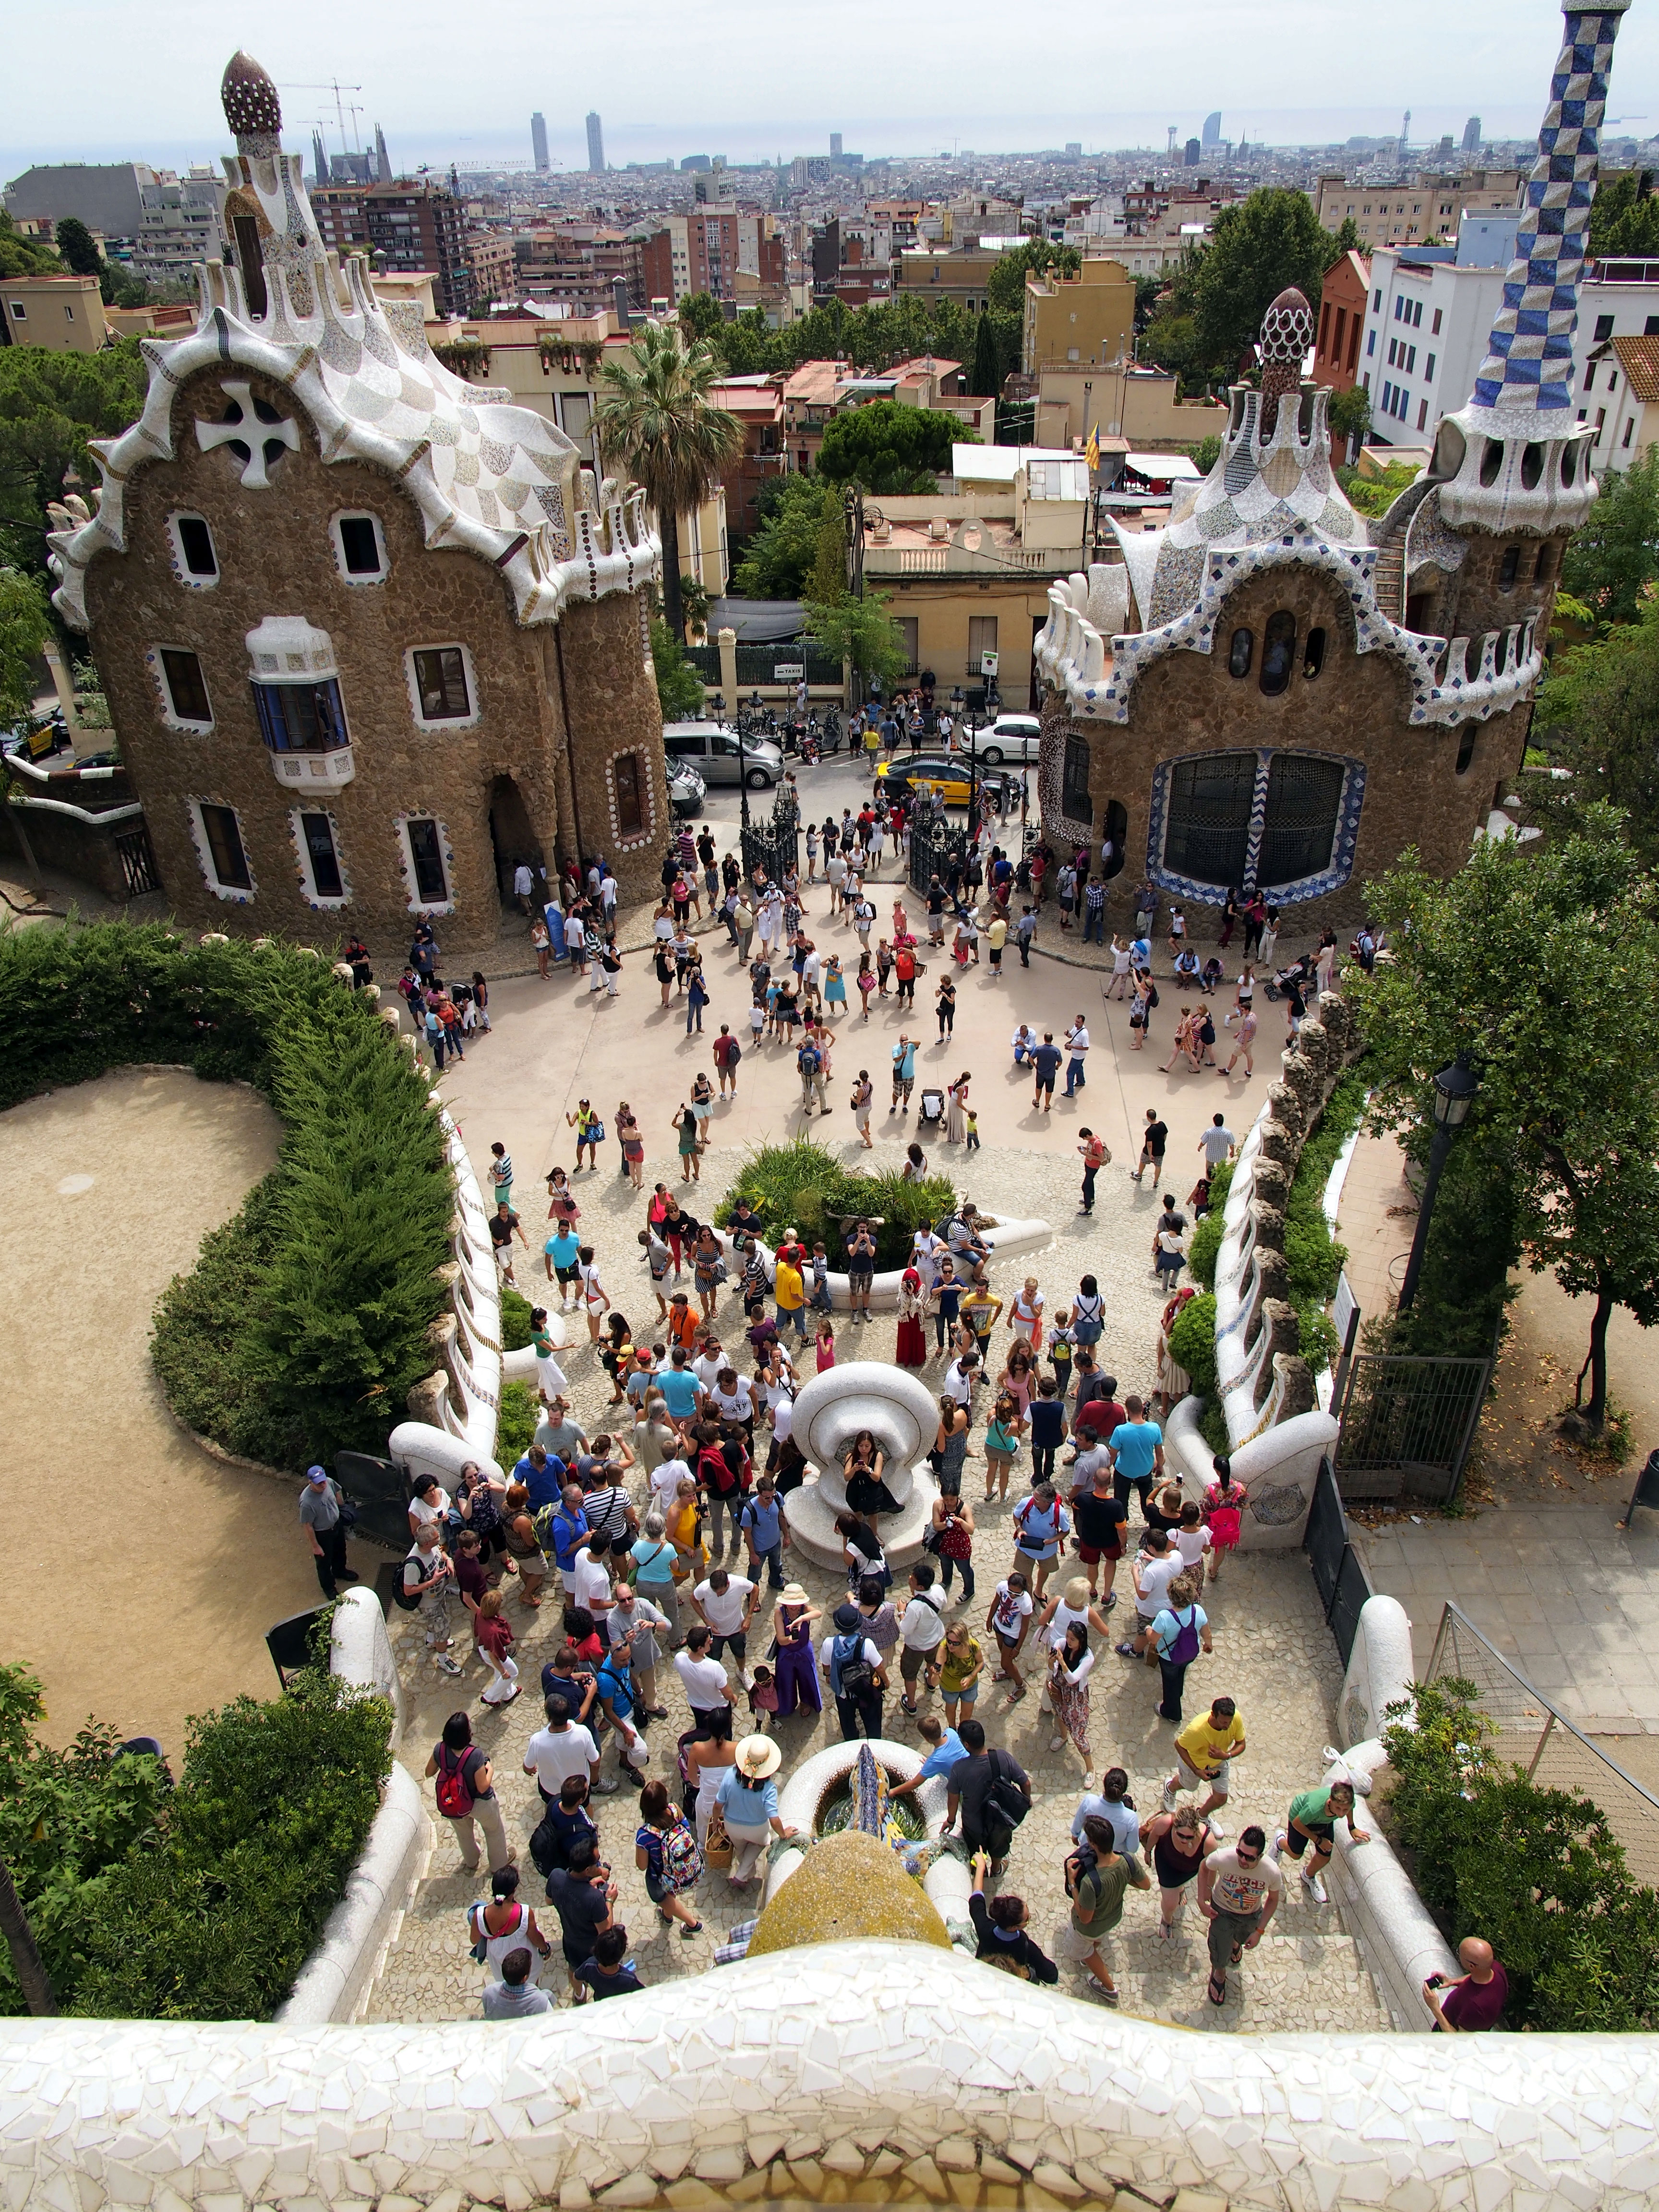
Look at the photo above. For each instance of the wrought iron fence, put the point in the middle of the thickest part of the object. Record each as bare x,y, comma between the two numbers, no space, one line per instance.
1339,1574
1407,1420
137,862
705,659
773,845
1537,1736
938,847
758,663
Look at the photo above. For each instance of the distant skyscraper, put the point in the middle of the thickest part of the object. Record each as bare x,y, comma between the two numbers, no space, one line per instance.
1212,129
595,146
319,157
1195,154
1472,135
383,159
835,145
538,139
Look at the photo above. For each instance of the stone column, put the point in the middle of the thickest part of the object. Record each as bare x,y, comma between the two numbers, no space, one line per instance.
727,640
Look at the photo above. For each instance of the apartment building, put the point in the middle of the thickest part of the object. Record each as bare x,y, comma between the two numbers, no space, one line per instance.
1343,300
414,224
1624,374
342,217
154,221
695,253
1427,207
1089,317
58,314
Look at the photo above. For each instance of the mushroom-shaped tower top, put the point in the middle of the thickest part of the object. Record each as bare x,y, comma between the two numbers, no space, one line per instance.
252,106
1287,329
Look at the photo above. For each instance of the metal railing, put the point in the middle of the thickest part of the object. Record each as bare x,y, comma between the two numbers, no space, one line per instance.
1407,1420
1338,1572
1535,1734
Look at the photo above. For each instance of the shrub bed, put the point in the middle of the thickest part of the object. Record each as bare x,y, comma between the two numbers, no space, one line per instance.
803,1186
1312,1254
201,1902
303,1327
1192,1342
1536,1872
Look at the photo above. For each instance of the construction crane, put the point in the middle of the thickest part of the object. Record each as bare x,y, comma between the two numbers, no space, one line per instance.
341,107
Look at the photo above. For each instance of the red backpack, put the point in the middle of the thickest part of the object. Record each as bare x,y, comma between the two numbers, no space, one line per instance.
455,1799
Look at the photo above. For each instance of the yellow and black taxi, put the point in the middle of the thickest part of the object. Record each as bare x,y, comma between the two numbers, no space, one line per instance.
943,774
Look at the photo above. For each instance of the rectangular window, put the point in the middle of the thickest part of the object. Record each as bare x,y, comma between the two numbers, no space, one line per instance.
1629,427
186,690
1428,371
196,545
1417,317
1075,804
1603,329
426,852
224,844
1600,418
441,681
20,314
1589,376
981,640
1422,414
301,718
629,774
1377,297
909,629
1435,332
324,862
1650,328
1411,359
1394,349
360,546
1370,343
1399,306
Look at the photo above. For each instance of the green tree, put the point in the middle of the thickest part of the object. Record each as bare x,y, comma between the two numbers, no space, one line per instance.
780,558
1147,290
1271,239
25,627
860,632
679,687
890,447
827,583
51,405
1205,453
656,419
22,257
1625,214
1530,960
77,248
1005,287
985,377
1597,711
1614,558
695,602
1350,413
701,315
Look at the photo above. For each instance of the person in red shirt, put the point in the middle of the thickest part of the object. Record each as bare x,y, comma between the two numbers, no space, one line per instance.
1473,2004
728,1054
1101,1412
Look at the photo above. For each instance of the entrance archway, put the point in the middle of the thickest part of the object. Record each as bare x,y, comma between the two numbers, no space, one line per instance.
513,839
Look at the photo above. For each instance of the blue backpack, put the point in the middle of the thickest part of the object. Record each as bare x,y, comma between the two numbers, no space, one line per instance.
850,1672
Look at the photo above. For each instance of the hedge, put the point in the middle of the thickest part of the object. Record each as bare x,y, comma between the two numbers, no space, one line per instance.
1192,1342
1537,1872
201,1902
801,1185
1313,1257
304,1325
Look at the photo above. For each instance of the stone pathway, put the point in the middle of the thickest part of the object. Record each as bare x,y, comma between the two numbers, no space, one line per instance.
1273,1654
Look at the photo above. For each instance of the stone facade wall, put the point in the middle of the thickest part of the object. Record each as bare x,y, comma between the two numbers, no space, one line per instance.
1474,602
59,841
276,556
1357,709
611,696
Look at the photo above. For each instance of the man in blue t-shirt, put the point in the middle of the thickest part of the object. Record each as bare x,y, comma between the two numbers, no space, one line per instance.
679,1388
762,1522
1045,1063
944,1751
1137,1450
543,1474
904,1069
560,1256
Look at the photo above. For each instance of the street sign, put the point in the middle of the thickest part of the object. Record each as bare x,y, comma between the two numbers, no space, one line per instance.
787,671
987,664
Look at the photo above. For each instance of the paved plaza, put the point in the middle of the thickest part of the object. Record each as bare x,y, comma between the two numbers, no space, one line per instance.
553,1044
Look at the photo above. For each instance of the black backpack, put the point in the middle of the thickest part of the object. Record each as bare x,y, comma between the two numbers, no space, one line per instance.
1005,1799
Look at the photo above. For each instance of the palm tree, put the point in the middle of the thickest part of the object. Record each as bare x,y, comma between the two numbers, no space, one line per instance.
657,420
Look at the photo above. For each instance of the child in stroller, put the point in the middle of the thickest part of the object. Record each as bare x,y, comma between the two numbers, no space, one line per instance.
933,1107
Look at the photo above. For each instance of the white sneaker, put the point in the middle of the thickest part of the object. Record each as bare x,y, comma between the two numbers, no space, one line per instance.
1056,1743
1316,1888
1216,1828
1276,1846
1171,1796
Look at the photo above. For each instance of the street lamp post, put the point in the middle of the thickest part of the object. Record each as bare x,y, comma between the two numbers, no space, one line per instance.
1454,1093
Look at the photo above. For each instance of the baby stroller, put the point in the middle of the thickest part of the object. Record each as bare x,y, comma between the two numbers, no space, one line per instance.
1299,972
931,1108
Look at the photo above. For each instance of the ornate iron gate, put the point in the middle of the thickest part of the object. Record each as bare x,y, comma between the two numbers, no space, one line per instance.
137,862
774,846
1408,1421
937,847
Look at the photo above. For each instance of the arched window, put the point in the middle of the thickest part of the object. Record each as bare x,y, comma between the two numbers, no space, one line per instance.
1545,564
1313,658
1241,653
1466,747
1509,567
1277,653
1285,822
628,772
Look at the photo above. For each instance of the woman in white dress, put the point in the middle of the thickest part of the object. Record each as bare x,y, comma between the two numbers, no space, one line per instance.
956,1102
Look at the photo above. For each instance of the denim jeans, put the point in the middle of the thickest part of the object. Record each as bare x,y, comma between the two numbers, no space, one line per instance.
1073,1075
772,1558
947,1567
1094,917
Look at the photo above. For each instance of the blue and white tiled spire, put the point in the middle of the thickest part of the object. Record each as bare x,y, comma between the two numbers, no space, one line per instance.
1529,362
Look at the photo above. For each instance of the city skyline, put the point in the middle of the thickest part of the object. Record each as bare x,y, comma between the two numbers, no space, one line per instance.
1444,63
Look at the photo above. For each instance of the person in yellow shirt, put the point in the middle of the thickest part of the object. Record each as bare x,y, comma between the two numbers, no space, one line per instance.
790,1293
996,938
1204,1751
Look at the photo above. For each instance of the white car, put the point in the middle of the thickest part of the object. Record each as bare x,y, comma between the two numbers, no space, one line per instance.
1016,738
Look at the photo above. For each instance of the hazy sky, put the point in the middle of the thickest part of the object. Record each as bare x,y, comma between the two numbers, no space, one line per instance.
109,79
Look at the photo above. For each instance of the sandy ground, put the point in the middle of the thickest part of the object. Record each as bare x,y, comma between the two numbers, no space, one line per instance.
177,1566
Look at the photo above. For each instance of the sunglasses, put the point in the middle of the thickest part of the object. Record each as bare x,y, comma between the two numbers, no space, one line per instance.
1250,1860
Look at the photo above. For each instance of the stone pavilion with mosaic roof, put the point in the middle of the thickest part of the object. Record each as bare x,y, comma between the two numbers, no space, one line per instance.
370,634
1276,692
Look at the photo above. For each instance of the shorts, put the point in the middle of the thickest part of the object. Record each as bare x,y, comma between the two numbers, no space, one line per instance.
564,1275
967,1697
1320,1832
861,1279
1220,1782
912,1662
1092,1555
1043,1557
